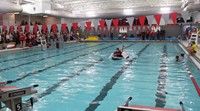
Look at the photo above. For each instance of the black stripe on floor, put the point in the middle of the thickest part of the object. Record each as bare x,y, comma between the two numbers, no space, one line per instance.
161,91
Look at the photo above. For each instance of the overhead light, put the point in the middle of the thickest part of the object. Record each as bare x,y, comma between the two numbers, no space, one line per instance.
128,11
165,9
90,14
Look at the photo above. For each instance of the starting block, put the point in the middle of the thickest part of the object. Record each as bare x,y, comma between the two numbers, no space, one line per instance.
11,96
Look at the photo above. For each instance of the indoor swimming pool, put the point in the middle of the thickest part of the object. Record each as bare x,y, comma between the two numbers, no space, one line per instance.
82,77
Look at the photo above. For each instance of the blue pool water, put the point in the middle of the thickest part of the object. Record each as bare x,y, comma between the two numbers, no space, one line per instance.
82,77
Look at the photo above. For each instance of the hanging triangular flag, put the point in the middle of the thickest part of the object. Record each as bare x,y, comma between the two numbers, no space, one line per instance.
15,28
11,29
69,25
31,28
108,23
185,15
40,28
150,19
115,23
88,24
157,18
96,23
8,27
130,21
165,17
102,24
75,26
4,28
162,21
54,28
35,29
82,24
64,27
59,27
27,28
23,29
44,28
174,16
19,28
49,28
142,20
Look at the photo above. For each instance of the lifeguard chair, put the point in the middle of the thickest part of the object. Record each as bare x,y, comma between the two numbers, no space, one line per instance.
194,37
11,96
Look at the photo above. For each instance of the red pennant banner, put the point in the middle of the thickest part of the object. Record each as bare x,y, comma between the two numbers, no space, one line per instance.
54,28
27,27
174,16
4,28
115,23
35,29
158,18
142,20
102,24
19,29
11,28
44,28
88,24
75,26
64,28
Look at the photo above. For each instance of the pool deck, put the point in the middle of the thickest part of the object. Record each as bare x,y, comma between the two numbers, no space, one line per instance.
13,50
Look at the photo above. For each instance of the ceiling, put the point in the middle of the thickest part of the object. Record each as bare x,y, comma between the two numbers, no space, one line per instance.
93,8
107,8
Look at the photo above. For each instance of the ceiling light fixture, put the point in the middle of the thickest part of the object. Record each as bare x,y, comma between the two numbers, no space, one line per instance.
90,14
165,10
128,11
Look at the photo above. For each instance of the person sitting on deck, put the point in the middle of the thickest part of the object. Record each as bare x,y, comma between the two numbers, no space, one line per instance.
193,48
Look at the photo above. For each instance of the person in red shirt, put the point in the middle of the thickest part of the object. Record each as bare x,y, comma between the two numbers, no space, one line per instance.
118,53
22,40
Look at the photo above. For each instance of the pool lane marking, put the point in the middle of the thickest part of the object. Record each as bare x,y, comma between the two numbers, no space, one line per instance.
69,77
32,55
192,78
55,65
160,100
108,86
45,58
190,75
